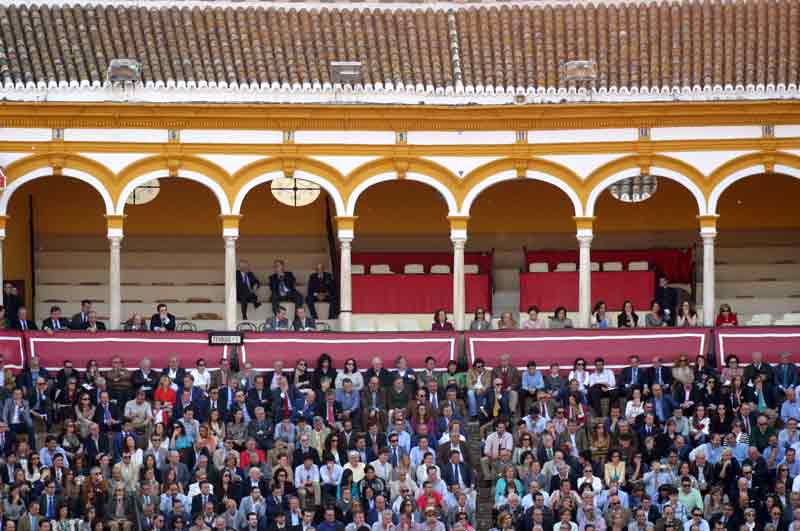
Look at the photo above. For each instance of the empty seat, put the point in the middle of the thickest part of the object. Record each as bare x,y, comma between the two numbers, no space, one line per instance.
612,266
357,269
408,325
380,269
440,269
641,265
364,325
413,269
471,269
566,266
595,266
760,319
387,326
538,267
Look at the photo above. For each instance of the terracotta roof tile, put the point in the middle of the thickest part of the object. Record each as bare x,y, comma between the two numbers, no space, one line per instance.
506,47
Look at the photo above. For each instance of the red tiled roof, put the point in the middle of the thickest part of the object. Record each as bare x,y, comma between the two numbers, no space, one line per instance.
506,47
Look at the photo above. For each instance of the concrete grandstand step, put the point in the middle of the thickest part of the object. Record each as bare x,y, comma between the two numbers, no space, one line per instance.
761,288
143,292
261,262
758,255
508,258
505,301
755,272
506,279
748,307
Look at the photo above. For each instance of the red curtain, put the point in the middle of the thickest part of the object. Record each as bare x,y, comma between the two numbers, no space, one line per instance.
416,293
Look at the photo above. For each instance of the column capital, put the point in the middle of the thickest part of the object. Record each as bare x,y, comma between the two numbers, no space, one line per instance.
708,225
230,239
114,224
230,224
458,228
345,227
3,222
584,223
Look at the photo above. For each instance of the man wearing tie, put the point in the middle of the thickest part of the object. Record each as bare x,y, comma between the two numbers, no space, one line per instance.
321,288
246,286
106,415
455,473
786,373
659,374
55,323
49,501
22,322
30,520
162,320
199,501
282,285
80,319
632,377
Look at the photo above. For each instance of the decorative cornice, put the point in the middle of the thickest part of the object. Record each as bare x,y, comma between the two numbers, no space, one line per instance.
394,118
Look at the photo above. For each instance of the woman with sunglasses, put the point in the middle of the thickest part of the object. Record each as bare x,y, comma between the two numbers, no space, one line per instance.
352,373
479,322
580,374
201,375
301,379
726,317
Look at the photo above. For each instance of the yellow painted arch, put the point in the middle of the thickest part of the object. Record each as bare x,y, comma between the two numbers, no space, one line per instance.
501,170
411,168
313,170
746,166
28,169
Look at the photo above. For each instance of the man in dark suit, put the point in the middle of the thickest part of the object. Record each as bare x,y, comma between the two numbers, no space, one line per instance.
49,501
455,472
302,322
82,317
660,374
667,298
758,366
199,500
279,321
162,320
282,285
321,288
686,396
632,377
785,373
246,286
95,444
93,325
55,323
11,299
107,415
22,322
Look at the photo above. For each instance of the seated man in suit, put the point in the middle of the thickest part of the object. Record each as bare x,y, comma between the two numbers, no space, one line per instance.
55,323
454,472
80,318
246,286
279,321
22,322
162,320
321,288
303,323
632,377
93,325
282,284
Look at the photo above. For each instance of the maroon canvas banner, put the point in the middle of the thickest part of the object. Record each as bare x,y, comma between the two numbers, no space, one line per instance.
263,349
770,341
80,347
12,348
546,347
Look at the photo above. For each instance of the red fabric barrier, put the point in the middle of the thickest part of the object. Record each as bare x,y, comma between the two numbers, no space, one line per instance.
675,263
12,348
769,340
263,349
551,290
397,260
416,293
563,346
80,347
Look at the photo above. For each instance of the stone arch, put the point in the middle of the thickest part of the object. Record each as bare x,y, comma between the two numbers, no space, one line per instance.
688,176
78,167
746,166
263,171
542,170
195,169
420,170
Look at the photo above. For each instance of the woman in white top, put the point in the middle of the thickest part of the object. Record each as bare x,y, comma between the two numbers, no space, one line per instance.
421,473
589,477
635,406
580,374
350,371
201,375
534,322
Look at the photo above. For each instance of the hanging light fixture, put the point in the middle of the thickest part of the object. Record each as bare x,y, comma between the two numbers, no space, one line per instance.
634,189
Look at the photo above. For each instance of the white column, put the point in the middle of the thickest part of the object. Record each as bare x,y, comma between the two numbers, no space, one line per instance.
459,289
345,282
230,279
114,279
584,277
2,237
708,234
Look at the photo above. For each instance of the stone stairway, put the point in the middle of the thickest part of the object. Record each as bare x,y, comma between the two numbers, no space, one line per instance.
485,501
